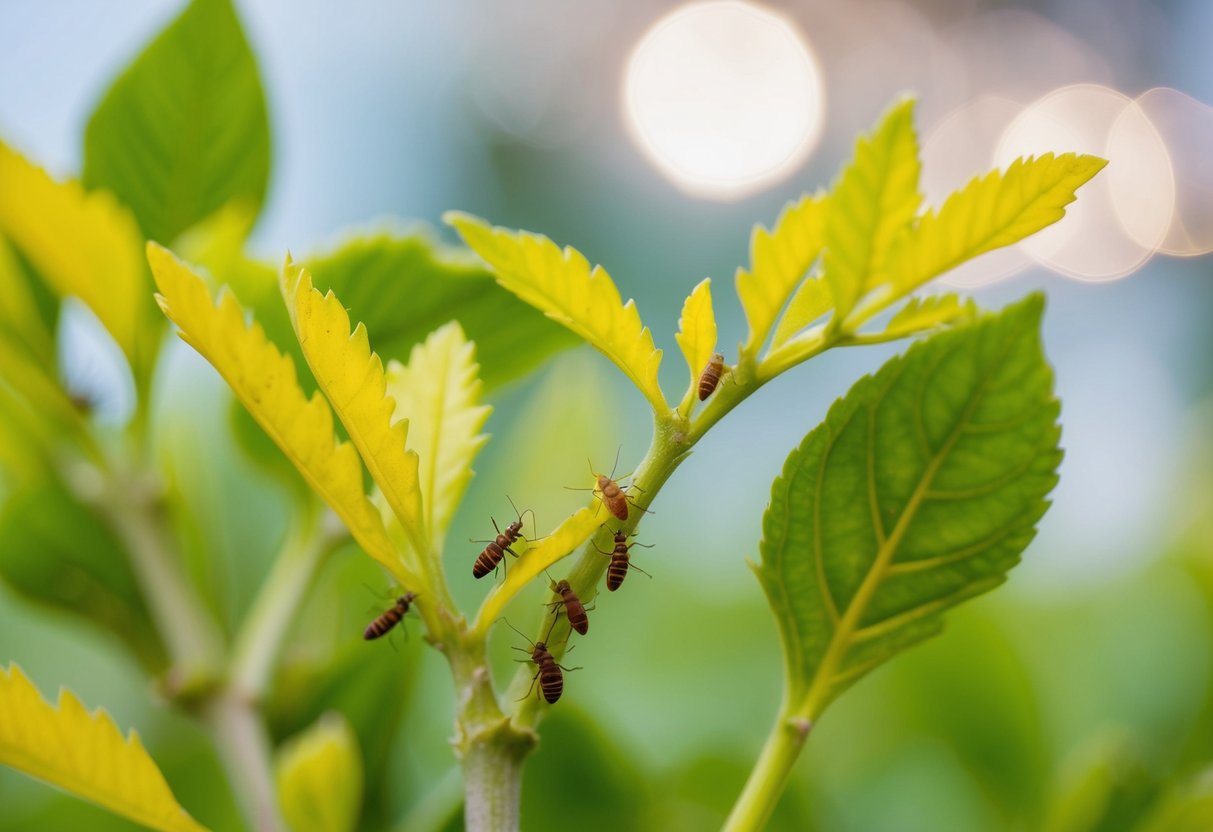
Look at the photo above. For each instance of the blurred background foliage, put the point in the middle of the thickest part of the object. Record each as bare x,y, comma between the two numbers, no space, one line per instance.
1078,698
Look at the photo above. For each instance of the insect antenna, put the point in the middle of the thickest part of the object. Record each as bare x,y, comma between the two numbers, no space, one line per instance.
512,627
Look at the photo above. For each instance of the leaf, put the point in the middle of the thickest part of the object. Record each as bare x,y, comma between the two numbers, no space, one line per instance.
560,283
84,754
919,491
82,243
57,552
811,301
924,313
438,392
992,211
19,314
319,777
184,129
780,259
352,378
697,335
543,554
29,376
264,381
875,198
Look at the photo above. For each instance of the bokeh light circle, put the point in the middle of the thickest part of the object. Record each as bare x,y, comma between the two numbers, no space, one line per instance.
725,98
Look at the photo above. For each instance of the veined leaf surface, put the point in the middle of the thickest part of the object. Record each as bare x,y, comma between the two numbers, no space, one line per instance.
561,283
921,314
920,490
85,754
263,379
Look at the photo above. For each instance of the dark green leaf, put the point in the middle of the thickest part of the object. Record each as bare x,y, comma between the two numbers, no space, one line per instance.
184,129
57,552
919,491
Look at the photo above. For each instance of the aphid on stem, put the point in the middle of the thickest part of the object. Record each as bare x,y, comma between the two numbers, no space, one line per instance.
709,379
621,560
548,674
574,610
612,495
495,549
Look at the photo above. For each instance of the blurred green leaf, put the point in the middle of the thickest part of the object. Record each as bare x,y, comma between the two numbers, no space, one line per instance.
58,552
184,129
319,777
919,491
1109,787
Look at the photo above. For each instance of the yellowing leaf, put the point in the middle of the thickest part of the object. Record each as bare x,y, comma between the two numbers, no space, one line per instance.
921,314
561,284
84,754
697,335
875,198
439,392
263,379
568,536
319,777
990,212
82,242
19,311
779,260
811,301
20,369
351,377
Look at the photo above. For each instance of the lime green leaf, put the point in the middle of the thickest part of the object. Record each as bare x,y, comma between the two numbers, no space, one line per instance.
32,379
83,244
697,335
779,260
264,381
990,212
84,754
438,392
546,552
919,491
319,776
19,314
184,129
352,378
561,283
875,198
811,301
921,314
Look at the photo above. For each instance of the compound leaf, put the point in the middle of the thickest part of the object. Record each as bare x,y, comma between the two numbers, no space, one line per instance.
184,129
921,314
263,379
438,391
920,490
85,754
992,211
561,284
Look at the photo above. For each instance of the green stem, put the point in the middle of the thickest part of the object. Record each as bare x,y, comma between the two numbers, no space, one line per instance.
244,749
770,775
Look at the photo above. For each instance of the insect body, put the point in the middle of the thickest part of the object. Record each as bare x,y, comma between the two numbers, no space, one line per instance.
495,549
384,623
573,608
710,377
613,497
620,561
550,673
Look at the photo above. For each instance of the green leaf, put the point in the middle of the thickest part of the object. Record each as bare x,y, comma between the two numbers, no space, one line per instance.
85,754
184,129
696,336
919,491
992,211
319,777
921,314
875,198
57,552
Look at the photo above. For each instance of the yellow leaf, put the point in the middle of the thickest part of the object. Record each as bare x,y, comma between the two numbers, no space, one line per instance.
779,259
992,211
19,369
568,536
19,312
84,754
439,392
352,378
811,301
84,243
921,314
561,284
875,198
264,381
319,777
697,335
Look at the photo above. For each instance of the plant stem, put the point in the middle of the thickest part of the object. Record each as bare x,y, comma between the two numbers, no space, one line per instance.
766,782
244,748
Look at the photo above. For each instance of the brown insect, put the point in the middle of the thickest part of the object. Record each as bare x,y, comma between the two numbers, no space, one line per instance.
709,379
495,549
614,496
550,673
574,610
382,625
621,560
